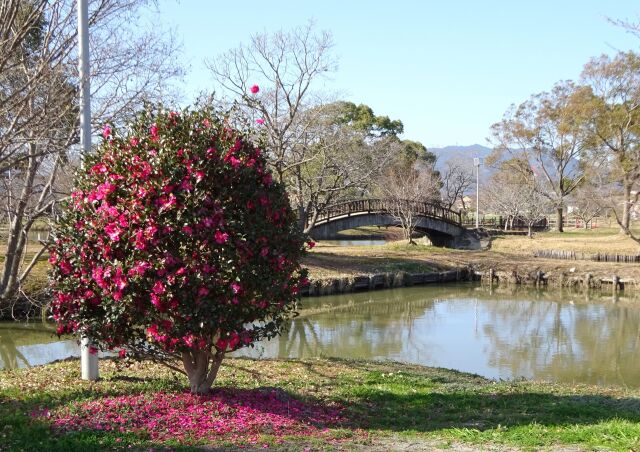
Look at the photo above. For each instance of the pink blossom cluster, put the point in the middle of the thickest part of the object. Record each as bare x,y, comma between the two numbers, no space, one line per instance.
234,415
177,236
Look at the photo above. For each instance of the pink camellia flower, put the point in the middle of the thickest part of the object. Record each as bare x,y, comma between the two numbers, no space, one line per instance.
260,121
158,287
221,237
254,89
134,141
120,280
122,353
113,231
99,168
104,190
139,268
106,131
235,162
153,131
65,267
155,300
311,244
236,288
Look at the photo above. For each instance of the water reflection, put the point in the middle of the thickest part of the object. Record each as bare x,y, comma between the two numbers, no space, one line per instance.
558,336
552,335
32,344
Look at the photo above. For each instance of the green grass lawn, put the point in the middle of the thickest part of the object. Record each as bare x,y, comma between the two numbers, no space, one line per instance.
384,405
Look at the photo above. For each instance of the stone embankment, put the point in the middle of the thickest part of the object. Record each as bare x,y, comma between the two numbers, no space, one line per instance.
557,278
569,278
348,284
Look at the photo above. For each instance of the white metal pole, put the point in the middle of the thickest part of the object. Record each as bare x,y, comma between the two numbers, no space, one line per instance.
88,360
476,162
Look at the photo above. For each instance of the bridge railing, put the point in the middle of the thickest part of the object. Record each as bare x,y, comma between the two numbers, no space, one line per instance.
358,206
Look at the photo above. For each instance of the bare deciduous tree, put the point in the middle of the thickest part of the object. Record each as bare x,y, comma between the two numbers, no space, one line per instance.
321,150
517,194
589,200
38,101
284,66
457,178
404,189
533,206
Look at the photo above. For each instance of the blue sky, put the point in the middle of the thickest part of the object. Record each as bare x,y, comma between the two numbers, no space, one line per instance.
447,69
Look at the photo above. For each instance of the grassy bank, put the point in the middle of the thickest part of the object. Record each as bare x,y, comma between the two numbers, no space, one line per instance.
380,405
507,254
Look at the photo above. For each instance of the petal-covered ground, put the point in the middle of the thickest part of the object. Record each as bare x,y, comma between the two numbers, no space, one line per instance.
229,414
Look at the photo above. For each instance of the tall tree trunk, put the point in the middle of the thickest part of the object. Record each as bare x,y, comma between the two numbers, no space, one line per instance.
560,218
625,221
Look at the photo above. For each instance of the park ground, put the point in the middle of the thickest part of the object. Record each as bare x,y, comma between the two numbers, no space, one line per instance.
333,404
506,253
315,404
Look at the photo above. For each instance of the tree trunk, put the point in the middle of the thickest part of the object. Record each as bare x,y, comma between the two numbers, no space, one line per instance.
560,218
302,217
202,368
626,209
17,239
530,232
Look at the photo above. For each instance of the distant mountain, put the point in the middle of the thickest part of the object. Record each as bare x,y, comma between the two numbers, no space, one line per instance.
460,152
468,153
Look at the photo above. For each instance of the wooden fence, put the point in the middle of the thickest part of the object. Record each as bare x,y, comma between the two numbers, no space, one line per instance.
597,257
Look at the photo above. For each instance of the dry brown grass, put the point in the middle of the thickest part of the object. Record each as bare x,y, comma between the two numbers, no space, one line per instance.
580,240
509,253
332,261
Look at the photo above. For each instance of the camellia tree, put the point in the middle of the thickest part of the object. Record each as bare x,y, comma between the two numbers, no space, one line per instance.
176,244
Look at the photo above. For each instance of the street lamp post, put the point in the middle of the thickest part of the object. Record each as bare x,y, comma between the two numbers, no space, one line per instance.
88,357
477,162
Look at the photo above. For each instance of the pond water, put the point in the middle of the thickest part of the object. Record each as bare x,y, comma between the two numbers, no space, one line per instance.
550,335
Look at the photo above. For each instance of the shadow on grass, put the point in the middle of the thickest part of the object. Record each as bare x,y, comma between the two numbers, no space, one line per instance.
378,409
433,399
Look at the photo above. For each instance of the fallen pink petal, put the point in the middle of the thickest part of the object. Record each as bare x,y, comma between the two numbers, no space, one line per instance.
236,415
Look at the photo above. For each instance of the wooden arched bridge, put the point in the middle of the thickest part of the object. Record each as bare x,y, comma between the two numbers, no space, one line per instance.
443,226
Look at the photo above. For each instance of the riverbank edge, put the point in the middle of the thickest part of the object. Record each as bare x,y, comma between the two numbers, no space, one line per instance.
567,278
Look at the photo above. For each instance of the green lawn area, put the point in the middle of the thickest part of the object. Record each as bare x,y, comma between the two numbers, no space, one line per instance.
384,405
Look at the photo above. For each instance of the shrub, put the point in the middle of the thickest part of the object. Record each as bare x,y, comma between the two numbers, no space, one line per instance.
176,243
